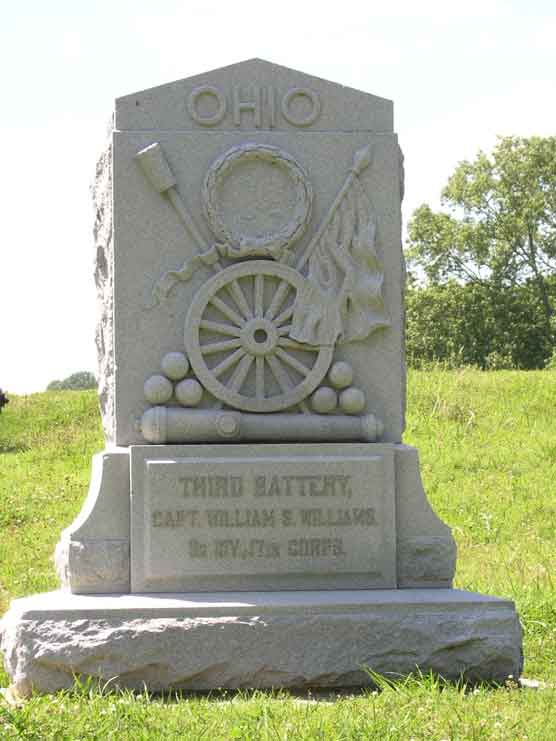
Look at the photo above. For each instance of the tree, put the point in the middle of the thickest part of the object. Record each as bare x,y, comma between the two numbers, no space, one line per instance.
80,380
498,228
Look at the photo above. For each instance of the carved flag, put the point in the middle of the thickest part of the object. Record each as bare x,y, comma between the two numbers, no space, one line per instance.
342,297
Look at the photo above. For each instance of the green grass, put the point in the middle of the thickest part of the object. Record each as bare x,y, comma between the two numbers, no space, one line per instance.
46,443
487,443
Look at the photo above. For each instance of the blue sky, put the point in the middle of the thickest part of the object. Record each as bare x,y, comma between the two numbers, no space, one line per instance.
459,74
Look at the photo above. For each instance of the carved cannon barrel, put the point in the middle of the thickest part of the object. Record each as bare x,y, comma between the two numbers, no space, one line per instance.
177,425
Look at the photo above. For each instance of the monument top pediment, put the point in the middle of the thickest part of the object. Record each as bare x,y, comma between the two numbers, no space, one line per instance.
253,95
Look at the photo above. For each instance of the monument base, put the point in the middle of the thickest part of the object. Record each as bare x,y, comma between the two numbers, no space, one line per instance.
257,639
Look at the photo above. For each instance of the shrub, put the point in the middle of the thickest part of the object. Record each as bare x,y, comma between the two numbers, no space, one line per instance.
480,325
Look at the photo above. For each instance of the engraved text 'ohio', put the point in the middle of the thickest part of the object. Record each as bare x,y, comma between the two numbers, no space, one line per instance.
254,106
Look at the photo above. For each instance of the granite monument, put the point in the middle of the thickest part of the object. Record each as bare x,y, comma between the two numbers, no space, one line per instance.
255,519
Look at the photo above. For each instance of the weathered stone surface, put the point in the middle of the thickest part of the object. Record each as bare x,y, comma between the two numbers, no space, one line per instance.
93,566
258,639
426,561
103,233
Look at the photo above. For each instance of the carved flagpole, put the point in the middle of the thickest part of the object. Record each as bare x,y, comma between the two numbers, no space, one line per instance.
361,160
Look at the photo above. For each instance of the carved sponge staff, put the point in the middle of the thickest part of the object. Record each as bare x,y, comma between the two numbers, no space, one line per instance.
176,425
155,166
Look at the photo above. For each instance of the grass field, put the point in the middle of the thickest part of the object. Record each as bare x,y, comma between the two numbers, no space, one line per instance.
488,451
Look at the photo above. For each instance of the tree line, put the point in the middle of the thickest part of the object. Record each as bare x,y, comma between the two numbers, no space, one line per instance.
79,380
482,270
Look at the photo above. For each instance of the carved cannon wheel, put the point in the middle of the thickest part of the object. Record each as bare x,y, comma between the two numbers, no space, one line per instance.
237,339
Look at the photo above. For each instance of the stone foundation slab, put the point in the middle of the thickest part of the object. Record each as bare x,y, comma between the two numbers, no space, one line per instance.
257,639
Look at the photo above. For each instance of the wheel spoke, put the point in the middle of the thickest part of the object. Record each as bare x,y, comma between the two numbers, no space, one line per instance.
238,296
277,299
240,373
214,347
284,316
228,312
259,377
284,330
239,336
219,328
292,362
279,373
232,359
259,294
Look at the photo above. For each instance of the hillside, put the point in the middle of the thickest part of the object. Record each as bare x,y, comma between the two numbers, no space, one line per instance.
488,450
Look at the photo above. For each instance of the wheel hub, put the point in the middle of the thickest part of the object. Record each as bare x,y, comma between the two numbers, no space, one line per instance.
259,337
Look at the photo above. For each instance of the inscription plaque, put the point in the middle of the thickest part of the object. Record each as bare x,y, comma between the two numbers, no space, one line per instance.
220,520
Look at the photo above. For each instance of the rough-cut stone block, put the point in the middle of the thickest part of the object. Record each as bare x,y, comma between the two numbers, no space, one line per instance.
258,639
103,233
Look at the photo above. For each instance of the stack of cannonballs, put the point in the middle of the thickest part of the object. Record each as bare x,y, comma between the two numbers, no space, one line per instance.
339,395
172,383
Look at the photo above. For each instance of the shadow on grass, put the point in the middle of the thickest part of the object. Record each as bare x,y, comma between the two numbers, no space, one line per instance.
14,448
